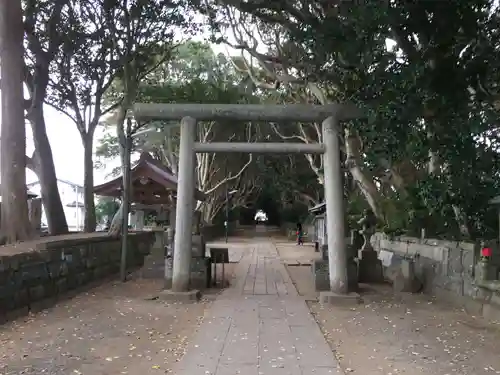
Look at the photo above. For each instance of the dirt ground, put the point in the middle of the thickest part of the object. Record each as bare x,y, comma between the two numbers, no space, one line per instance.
114,328
388,336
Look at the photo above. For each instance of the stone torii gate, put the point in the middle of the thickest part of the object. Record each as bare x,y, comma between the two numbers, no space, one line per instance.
330,115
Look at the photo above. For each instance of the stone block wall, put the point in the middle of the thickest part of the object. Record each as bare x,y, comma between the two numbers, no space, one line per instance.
34,276
446,269
442,266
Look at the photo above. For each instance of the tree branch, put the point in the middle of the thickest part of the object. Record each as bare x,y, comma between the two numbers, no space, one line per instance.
231,178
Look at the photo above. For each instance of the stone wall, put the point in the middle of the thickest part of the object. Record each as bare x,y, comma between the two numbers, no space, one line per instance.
442,266
446,269
34,275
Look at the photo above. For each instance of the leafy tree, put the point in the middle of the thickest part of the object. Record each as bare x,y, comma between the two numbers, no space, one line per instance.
105,209
430,96
113,40
46,30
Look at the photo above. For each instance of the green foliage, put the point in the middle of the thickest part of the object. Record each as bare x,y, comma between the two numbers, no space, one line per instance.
434,90
105,209
106,41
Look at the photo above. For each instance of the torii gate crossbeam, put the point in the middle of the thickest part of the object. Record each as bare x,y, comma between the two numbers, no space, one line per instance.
260,147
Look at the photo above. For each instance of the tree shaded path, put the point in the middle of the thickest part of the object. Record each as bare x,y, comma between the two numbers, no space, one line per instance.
259,326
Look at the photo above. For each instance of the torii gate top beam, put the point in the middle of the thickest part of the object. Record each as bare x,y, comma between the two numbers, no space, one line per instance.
247,112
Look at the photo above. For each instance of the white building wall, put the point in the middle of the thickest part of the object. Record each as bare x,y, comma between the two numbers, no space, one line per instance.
70,194
320,229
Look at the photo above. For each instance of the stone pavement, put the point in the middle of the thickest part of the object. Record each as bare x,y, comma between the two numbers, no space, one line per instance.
259,326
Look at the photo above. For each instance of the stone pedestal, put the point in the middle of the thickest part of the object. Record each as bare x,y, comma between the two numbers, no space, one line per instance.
334,299
352,275
405,280
199,276
171,296
370,267
199,246
322,278
484,271
324,252
169,271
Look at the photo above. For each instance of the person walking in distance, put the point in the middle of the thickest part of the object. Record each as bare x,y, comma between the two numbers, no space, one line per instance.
300,240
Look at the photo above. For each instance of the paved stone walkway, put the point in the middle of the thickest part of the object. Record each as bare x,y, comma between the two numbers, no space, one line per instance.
259,326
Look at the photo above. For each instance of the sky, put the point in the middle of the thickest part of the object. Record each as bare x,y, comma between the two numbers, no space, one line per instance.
67,149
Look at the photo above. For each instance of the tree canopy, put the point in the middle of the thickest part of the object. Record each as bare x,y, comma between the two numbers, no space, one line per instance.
426,72
426,156
196,75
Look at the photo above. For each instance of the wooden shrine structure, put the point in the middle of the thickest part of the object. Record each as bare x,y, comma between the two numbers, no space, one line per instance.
152,184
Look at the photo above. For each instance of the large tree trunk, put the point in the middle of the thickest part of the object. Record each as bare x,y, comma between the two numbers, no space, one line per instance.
207,211
14,211
88,183
35,215
45,170
353,149
115,227
116,224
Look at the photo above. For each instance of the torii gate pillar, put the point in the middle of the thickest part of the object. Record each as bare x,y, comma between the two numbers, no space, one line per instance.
183,239
334,198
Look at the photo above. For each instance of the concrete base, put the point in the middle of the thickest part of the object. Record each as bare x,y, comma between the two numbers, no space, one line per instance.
324,252
322,279
199,277
189,296
484,271
331,298
406,280
370,267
